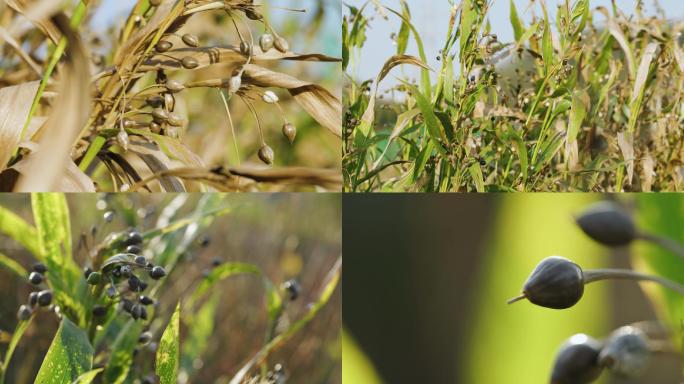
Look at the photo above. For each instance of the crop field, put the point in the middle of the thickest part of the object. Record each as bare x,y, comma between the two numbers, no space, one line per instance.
590,100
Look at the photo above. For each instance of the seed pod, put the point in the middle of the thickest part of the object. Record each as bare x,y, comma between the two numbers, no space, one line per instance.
99,311
174,119
35,278
145,300
39,267
160,115
281,44
44,298
155,101
246,48
94,278
157,272
189,62
33,299
266,154
24,313
215,262
266,42
134,249
155,127
626,352
174,86
126,305
108,216
234,84
163,46
270,97
577,361
607,223
129,123
253,15
190,40
125,270
169,101
293,289
555,282
133,238
142,286
141,260
289,131
145,337
143,312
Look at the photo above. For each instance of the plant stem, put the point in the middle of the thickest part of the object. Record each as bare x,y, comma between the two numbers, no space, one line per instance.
593,275
664,242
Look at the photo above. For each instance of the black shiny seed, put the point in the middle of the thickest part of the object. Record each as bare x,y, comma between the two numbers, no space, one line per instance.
133,238
24,313
157,272
125,270
142,285
140,260
136,311
44,298
127,305
215,262
143,312
145,300
134,249
87,271
33,299
145,337
35,278
108,216
293,289
134,283
39,267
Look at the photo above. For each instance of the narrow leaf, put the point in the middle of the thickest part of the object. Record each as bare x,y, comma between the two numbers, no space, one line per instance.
70,355
168,354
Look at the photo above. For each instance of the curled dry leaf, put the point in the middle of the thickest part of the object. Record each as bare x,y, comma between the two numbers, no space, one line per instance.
15,103
48,163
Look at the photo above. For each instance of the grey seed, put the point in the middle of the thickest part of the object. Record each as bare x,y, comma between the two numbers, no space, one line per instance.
174,86
189,62
246,48
108,216
141,260
163,46
174,119
145,337
266,154
33,299
125,270
169,101
289,131
190,40
160,115
134,249
155,101
576,361
266,42
157,272
24,313
281,44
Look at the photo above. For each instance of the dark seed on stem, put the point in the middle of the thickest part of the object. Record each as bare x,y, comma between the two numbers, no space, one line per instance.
157,272
35,278
134,249
125,270
608,223
44,298
163,46
33,299
87,271
133,238
99,311
190,40
145,337
577,361
293,289
39,267
24,313
134,283
140,260
145,300
127,305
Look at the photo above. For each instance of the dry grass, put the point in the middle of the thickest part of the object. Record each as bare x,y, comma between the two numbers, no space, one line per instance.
160,103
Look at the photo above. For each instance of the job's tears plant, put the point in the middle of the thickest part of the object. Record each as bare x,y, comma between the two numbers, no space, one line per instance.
558,283
112,325
83,120
589,101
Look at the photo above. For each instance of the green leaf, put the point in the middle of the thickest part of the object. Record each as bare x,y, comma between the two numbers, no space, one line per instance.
221,272
70,355
515,22
169,350
12,266
121,355
345,44
434,126
402,37
547,43
16,336
19,230
87,377
577,113
468,16
476,175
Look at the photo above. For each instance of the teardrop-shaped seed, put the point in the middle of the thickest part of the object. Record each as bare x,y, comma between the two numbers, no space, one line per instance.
169,101
281,44
270,97
234,84
266,154
163,46
174,86
189,62
154,101
253,15
160,115
246,48
190,40
174,119
266,42
122,139
289,131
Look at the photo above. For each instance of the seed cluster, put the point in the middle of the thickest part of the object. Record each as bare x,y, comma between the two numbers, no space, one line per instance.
42,298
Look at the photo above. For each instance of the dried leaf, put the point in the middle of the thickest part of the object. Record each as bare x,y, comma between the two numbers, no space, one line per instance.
15,103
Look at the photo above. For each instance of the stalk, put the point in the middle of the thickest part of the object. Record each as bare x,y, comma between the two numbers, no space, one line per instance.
593,275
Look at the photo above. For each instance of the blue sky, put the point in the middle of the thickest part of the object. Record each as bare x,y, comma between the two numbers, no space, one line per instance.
431,17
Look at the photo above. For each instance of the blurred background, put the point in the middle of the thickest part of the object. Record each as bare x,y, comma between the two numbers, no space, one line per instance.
427,278
315,30
288,236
